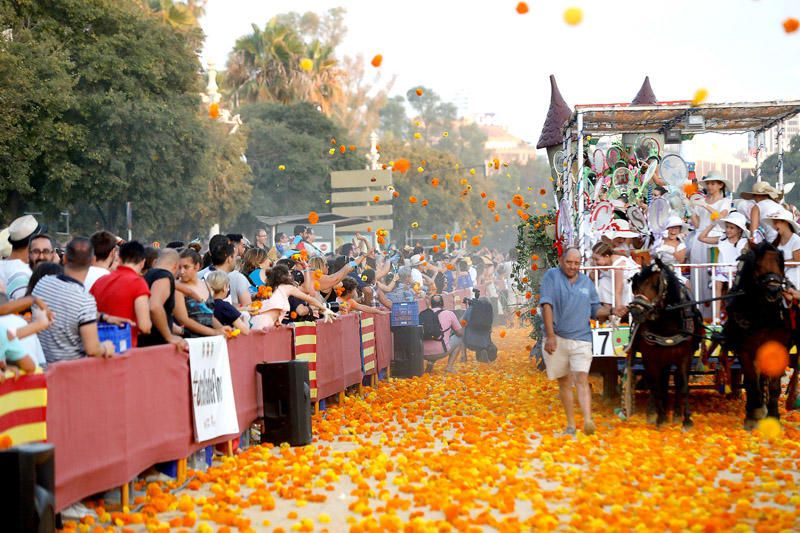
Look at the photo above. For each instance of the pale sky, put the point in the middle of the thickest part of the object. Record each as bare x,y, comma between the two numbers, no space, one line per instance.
501,61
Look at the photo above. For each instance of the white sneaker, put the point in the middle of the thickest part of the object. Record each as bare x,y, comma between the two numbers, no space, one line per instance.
77,511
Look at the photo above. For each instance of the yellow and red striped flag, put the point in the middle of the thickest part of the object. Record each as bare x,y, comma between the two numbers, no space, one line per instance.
23,408
368,357
305,349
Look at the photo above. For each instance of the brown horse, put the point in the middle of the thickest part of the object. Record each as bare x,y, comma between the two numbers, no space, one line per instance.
665,336
756,314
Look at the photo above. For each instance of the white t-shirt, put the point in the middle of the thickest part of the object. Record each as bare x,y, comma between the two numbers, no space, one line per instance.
15,274
31,343
95,273
792,272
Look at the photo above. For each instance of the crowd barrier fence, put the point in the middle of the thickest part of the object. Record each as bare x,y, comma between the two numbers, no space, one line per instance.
111,419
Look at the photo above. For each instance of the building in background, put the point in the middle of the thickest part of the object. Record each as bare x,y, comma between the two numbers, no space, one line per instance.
503,145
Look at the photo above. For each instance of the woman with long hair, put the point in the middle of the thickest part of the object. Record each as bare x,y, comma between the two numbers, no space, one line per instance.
255,265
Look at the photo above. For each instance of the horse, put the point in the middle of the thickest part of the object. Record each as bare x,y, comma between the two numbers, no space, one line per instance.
756,314
668,328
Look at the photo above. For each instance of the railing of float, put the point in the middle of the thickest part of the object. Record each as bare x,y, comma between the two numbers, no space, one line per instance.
112,419
610,339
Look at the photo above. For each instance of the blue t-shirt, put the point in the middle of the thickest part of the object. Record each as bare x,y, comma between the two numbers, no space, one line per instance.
573,304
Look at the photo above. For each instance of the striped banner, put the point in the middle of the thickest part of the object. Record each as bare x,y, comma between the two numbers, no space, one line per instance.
23,408
305,349
368,358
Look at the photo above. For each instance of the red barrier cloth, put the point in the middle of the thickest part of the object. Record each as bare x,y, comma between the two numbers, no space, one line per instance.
331,353
384,345
350,342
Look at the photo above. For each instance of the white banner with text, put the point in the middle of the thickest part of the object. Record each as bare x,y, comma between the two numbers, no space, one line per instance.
213,405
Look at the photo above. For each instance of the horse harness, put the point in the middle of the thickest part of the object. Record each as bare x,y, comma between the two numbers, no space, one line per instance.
649,310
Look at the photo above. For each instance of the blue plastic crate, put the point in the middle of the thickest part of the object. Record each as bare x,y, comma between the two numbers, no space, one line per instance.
405,314
120,336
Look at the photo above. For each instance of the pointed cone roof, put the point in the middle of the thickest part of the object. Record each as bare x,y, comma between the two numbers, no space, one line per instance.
645,96
557,115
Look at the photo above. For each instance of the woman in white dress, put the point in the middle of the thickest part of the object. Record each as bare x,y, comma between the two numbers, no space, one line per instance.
619,292
787,241
716,207
730,248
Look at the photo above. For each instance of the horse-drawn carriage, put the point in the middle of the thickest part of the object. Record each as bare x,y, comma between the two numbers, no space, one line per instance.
606,167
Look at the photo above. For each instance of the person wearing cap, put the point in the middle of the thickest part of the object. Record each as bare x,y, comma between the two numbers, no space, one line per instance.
730,248
787,241
715,207
672,250
15,272
766,198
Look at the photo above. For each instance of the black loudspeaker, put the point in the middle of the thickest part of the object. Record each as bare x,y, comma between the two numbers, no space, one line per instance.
27,488
407,361
287,402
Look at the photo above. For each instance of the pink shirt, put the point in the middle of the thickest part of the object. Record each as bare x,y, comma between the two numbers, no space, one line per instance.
449,322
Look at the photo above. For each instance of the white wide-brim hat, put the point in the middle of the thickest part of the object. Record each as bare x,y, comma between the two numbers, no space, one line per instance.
784,215
716,175
738,220
620,228
674,221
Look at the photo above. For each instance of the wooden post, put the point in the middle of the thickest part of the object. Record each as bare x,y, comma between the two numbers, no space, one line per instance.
182,463
229,448
340,398
125,495
316,408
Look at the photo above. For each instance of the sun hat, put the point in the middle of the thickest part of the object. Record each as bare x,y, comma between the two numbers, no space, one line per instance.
738,220
5,246
22,229
716,175
620,228
675,221
415,260
762,188
784,215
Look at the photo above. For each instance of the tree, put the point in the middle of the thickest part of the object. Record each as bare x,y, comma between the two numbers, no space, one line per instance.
394,120
298,138
123,121
791,171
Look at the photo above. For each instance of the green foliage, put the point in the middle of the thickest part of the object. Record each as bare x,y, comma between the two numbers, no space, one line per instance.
791,171
109,112
299,138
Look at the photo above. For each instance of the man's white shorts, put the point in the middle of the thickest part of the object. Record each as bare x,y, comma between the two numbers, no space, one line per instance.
570,355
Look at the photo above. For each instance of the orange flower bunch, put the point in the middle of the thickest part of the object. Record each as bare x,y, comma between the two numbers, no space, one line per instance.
264,291
523,215
401,165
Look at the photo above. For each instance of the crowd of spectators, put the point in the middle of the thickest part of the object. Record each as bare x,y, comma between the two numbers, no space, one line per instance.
57,303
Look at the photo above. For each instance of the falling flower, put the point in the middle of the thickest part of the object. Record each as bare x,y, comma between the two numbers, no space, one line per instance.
281,167
424,203
332,151
213,110
772,359
714,215
522,8
417,135
523,215
790,25
415,224
476,241
343,148
496,217
699,97
491,204
420,170
502,333
435,182
401,165
447,236
517,200
483,195
472,172
542,191
445,134
396,194
313,218
377,60
419,91
306,64
573,16
376,198
412,199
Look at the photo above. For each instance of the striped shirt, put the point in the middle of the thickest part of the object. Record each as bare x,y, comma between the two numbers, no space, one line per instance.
15,274
73,308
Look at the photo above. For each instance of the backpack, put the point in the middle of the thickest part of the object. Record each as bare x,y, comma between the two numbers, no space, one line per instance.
481,315
431,327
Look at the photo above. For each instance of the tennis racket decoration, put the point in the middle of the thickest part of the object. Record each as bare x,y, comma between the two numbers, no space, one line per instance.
674,171
615,156
601,216
658,215
637,219
647,147
564,227
558,162
599,161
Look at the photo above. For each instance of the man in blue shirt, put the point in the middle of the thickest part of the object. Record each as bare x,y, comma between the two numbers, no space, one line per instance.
569,299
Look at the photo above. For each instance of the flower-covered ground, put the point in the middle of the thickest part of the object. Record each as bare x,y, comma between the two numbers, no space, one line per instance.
480,450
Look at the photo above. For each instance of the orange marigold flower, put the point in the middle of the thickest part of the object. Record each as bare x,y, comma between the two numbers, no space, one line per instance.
791,25
476,241
343,148
395,194
419,91
491,204
483,195
496,217
522,8
457,238
450,266
313,218
463,323
402,165
502,333
435,249
412,199
528,295
435,182
377,60
517,200
523,215
424,203
542,191
376,198
213,110
534,267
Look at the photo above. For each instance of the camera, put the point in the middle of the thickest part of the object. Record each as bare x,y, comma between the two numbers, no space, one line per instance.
476,295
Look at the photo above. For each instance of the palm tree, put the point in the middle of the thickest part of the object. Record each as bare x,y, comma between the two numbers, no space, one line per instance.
179,15
263,66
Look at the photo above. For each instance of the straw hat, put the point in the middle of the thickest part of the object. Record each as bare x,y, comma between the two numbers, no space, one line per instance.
674,221
738,220
784,215
762,188
22,229
716,175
